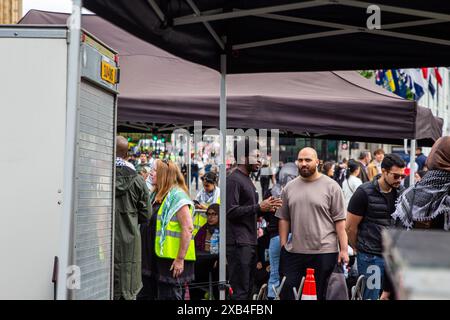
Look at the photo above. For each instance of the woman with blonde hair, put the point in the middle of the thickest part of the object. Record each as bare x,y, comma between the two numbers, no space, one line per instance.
168,249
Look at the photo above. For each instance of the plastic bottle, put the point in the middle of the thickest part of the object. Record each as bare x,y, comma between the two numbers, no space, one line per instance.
345,267
214,244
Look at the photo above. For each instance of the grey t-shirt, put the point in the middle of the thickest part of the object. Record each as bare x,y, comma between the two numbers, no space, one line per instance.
312,207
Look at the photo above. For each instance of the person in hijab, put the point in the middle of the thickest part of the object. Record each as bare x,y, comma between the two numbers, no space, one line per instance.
203,237
426,205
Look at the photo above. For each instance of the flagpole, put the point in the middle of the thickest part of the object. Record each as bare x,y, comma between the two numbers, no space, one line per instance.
437,98
412,162
222,176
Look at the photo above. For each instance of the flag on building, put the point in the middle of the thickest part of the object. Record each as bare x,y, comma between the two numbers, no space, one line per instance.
390,79
437,75
379,75
431,87
400,86
425,73
416,82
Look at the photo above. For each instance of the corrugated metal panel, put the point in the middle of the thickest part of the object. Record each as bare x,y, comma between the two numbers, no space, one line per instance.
94,180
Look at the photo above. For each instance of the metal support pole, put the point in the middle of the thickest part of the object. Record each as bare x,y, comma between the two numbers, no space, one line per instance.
412,162
222,176
188,164
73,71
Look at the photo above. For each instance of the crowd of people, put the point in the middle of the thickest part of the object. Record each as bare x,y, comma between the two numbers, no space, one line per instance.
314,214
159,229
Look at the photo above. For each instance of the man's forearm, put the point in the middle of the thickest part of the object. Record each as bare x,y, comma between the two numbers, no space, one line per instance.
238,212
342,235
351,227
283,230
352,236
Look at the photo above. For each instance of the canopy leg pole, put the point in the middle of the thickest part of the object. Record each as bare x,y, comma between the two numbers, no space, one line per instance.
188,164
73,68
412,160
222,175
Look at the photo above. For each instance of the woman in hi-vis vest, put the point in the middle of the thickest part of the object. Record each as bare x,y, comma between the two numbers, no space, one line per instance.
168,250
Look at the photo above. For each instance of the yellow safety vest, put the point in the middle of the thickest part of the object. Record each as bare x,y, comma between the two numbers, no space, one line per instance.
172,241
199,220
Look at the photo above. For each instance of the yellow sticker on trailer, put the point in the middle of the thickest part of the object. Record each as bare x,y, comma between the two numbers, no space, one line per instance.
108,72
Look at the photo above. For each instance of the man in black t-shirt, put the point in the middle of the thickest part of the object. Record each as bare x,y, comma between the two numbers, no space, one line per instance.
242,211
369,213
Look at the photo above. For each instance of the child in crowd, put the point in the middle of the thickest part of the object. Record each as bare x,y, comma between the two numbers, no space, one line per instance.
210,193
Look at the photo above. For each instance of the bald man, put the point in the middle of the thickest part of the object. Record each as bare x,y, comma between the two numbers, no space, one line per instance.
313,211
132,207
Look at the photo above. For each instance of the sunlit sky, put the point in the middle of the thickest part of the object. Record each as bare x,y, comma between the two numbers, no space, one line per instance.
49,5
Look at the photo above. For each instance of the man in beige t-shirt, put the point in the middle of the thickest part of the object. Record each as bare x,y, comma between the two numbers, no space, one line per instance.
313,211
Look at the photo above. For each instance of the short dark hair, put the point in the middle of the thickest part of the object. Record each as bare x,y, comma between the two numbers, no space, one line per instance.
391,160
363,154
419,148
210,177
378,151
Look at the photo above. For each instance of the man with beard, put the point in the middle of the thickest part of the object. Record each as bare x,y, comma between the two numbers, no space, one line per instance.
369,213
313,211
242,212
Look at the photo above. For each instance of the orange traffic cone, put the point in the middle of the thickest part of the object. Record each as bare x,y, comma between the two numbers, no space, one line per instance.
309,288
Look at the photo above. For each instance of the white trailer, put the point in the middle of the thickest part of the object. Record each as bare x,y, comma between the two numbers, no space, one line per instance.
57,159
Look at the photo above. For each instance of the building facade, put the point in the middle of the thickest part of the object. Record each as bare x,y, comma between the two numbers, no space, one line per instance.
10,11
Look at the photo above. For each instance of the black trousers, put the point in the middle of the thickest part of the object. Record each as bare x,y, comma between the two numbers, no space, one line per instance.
157,290
294,265
241,270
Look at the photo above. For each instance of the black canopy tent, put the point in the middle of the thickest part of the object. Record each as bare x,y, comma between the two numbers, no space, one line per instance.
289,35
156,85
276,36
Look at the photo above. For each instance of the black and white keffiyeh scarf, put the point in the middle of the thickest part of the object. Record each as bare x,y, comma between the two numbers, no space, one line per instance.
122,163
426,200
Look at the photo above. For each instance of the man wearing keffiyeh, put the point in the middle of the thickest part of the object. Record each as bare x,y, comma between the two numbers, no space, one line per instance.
428,202
132,207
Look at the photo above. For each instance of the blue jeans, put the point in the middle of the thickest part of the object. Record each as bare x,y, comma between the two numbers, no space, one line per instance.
274,258
194,175
372,267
